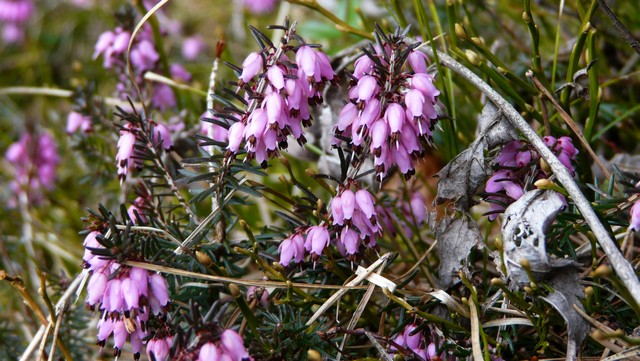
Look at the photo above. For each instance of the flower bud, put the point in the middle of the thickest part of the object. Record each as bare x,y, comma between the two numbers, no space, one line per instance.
461,32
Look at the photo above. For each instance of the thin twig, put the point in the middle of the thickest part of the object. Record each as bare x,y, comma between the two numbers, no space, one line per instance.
222,279
623,268
59,93
624,32
19,285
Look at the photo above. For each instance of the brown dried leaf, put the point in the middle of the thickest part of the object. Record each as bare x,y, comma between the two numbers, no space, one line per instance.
456,237
567,292
461,178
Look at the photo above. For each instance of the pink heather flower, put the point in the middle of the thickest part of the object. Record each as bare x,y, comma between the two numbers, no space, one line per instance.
347,115
34,160
96,287
503,180
125,158
251,66
236,135
348,203
350,240
508,154
315,65
131,293
414,100
523,158
179,73
363,66
634,224
336,210
275,75
104,43
281,108
209,352
367,87
418,61
137,207
252,292
95,263
370,113
111,45
161,136
105,328
355,219
113,296
119,334
159,296
13,33
413,341
140,277
144,56
214,131
274,105
365,203
15,11
77,121
233,346
418,207
159,348
259,7
317,239
163,97
424,83
291,248
379,135
407,105
192,47
394,117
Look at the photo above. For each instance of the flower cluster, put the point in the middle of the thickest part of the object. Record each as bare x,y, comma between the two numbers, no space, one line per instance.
413,340
77,121
126,158
278,94
112,46
519,167
355,220
294,247
230,347
13,16
391,109
126,297
34,159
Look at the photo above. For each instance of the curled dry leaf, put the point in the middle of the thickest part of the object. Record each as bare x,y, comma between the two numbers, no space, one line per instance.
523,232
456,237
460,179
567,291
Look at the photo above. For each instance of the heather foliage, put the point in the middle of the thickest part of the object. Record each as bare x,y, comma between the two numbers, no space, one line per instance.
309,180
